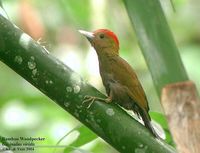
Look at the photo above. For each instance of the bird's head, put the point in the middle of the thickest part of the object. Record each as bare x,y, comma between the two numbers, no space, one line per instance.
102,40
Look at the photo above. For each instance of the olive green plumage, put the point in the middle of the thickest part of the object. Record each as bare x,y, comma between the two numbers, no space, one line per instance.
119,79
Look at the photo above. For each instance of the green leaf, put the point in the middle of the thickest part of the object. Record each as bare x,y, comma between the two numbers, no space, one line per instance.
161,119
85,136
156,42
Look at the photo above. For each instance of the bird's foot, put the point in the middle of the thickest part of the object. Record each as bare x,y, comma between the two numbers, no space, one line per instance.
91,99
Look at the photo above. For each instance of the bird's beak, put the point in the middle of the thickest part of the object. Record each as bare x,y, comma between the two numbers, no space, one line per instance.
88,35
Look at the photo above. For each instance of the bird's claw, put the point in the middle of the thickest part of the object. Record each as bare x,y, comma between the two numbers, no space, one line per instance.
89,99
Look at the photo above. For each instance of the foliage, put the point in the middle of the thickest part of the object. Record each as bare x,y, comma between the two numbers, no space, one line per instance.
156,42
161,119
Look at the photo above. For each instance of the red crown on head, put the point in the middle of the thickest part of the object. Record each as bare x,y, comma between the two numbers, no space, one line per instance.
109,33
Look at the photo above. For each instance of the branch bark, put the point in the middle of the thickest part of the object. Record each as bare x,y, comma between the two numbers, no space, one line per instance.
67,89
182,108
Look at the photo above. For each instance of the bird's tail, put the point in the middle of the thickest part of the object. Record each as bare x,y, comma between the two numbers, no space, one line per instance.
147,122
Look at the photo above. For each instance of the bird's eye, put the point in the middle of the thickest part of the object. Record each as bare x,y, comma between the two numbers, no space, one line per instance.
101,36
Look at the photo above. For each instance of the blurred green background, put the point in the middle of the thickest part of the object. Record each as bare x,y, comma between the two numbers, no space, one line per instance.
24,111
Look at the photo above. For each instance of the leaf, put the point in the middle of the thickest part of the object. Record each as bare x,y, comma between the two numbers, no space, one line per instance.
161,119
156,42
85,136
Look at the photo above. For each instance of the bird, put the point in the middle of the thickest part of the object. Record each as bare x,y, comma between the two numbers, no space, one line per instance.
118,77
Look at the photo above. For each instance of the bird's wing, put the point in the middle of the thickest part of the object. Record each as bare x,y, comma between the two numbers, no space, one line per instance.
125,75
